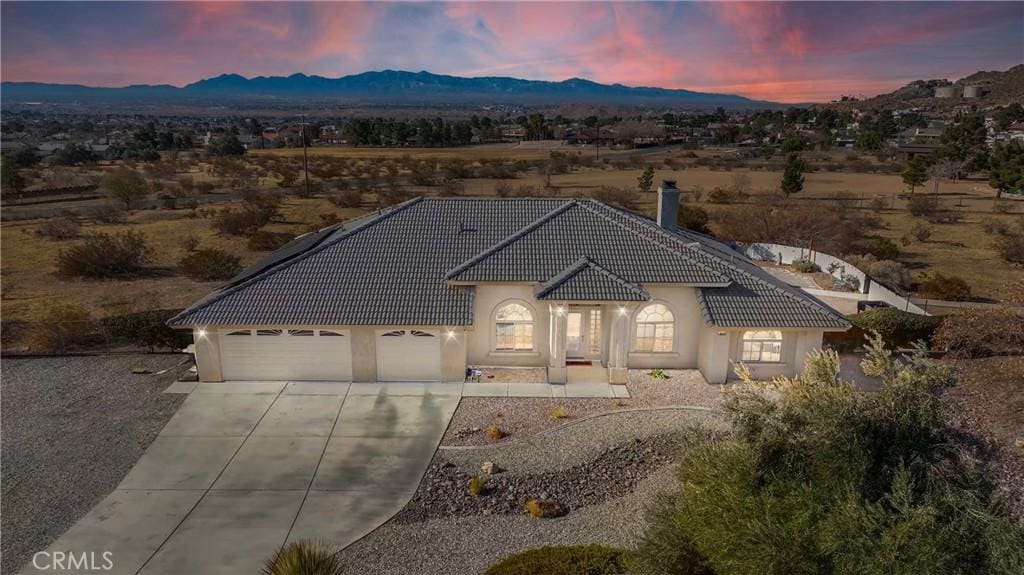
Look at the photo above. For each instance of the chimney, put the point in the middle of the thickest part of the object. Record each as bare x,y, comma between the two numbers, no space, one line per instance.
668,204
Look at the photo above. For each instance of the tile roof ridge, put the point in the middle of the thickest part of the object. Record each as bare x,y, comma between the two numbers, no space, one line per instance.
578,266
221,294
507,240
804,299
589,204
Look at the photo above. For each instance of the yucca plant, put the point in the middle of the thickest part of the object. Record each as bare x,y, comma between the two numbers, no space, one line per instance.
305,557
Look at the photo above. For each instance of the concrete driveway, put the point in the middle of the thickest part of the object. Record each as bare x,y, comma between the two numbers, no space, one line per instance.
242,469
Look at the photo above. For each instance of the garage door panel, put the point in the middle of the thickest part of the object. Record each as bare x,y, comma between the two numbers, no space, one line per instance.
409,355
286,357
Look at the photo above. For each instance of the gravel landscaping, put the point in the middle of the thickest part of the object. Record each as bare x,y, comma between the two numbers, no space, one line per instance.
513,374
444,489
72,428
608,470
522,417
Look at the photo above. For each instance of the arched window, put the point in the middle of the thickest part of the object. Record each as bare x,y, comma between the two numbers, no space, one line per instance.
762,346
513,324
655,325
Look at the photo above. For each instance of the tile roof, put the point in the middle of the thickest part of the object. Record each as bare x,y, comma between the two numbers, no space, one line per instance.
587,281
415,263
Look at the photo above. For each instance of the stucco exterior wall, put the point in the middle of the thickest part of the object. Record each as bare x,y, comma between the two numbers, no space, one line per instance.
480,338
688,324
207,351
364,353
795,347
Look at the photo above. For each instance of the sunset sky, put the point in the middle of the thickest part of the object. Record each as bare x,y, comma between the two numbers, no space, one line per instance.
787,52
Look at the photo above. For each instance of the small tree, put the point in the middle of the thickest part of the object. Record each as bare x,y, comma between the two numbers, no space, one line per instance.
915,174
124,185
793,175
645,183
1007,169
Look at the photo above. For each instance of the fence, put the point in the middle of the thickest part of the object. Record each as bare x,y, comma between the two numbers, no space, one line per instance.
870,290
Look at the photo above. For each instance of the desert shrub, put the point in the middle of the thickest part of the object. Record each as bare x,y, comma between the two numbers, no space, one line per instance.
544,509
494,432
108,215
105,256
147,329
393,195
995,226
61,228
844,481
562,560
504,189
239,222
1010,247
210,264
264,241
940,286
559,413
477,485
269,205
452,187
922,205
346,199
63,326
878,203
881,248
805,266
693,218
189,243
921,232
723,196
305,557
887,272
953,216
983,332
621,197
896,327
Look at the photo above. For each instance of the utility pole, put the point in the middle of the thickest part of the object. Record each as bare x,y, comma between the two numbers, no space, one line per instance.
305,156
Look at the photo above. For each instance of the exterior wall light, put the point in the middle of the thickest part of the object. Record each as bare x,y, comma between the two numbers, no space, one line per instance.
201,332
450,334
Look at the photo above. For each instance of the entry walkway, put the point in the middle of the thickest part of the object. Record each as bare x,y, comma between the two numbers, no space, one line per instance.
243,468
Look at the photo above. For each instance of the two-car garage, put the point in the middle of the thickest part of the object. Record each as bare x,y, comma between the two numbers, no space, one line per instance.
326,354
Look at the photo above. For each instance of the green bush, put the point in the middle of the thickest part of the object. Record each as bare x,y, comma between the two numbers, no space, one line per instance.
147,329
562,560
882,248
210,264
105,256
816,477
805,266
898,328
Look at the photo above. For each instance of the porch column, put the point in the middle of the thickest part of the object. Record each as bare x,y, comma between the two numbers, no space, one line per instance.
556,343
618,345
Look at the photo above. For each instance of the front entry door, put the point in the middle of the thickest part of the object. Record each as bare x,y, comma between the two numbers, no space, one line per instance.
583,333
574,335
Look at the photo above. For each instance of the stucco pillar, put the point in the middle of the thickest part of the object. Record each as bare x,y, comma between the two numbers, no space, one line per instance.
618,345
453,355
207,350
713,354
556,343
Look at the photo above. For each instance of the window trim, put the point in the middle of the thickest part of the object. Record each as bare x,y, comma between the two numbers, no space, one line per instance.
636,323
531,326
746,337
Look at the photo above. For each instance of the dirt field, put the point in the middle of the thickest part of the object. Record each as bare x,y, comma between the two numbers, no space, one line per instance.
30,284
964,249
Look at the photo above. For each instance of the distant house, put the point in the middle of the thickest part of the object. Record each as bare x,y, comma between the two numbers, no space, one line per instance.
908,152
511,132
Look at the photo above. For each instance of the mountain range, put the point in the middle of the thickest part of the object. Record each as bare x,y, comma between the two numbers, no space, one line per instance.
378,88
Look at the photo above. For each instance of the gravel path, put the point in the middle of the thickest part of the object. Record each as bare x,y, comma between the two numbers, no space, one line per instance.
468,545
580,442
523,417
72,427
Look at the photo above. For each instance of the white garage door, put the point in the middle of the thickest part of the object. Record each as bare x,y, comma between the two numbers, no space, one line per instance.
409,355
288,354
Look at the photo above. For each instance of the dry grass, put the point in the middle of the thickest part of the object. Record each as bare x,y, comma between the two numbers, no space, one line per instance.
30,285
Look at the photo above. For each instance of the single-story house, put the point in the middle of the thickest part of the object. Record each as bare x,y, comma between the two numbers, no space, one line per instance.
425,289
